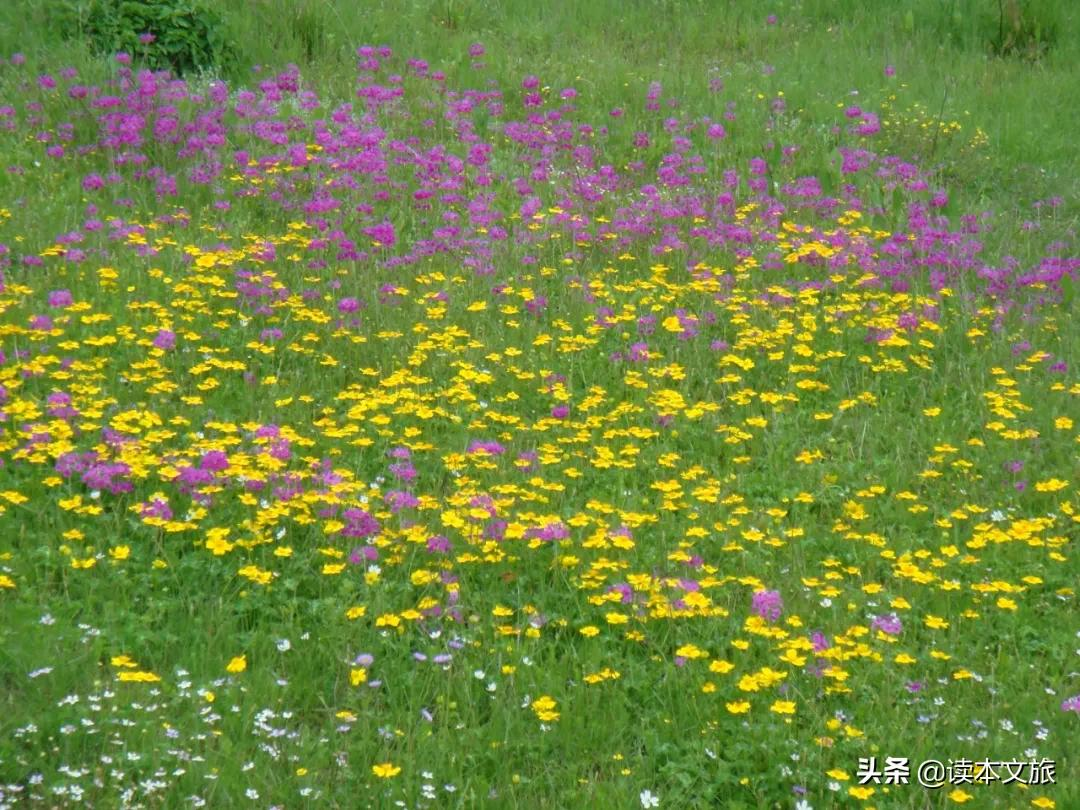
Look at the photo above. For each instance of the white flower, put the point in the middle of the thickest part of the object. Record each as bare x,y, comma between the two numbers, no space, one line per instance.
803,804
284,645
648,799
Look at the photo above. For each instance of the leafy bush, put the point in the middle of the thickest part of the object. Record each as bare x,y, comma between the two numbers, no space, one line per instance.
182,35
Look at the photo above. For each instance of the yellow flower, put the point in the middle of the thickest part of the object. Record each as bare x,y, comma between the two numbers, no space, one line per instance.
738,706
237,664
861,792
386,770
748,683
691,651
120,552
358,676
589,631
388,620
138,677
936,623
1052,485
544,708
783,707
721,667
1045,802
960,796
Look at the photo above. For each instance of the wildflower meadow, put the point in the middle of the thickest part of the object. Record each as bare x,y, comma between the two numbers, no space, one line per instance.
467,404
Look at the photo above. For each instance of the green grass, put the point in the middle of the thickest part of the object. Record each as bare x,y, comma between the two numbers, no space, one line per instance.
934,476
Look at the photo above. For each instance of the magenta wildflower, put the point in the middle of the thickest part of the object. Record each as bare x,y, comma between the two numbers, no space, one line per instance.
549,531
768,605
165,340
820,642
359,523
438,544
890,625
214,461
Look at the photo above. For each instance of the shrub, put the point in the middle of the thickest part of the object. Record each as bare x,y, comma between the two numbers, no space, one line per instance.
182,35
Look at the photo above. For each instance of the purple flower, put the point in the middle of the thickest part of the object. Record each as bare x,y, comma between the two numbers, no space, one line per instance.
639,352
359,523
398,500
190,478
165,340
1071,704
214,461
156,508
60,298
560,412
626,593
549,531
438,544
768,605
404,471
105,475
495,530
890,625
